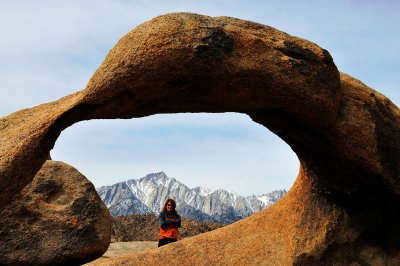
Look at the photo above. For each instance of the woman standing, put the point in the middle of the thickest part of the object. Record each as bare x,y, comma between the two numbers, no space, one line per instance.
169,223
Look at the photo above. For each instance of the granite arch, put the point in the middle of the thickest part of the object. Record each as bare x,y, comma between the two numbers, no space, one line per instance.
345,134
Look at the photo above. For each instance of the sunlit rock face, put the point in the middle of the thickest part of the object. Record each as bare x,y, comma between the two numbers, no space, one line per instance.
56,219
344,206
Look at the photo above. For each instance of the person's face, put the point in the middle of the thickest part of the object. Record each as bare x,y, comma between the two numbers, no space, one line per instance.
169,206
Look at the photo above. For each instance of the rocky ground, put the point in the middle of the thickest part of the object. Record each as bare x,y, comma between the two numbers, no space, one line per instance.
138,233
121,248
146,228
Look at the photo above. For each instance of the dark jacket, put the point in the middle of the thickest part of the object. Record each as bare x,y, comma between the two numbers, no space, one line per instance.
168,219
169,224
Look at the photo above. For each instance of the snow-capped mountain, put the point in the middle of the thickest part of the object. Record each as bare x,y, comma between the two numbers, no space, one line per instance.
148,194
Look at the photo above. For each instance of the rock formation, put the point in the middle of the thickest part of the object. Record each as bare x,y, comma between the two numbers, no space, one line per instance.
57,219
344,206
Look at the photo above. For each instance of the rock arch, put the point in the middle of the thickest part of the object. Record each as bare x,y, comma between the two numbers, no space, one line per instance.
344,206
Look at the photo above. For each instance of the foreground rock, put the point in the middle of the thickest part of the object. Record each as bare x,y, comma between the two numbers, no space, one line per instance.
57,219
344,207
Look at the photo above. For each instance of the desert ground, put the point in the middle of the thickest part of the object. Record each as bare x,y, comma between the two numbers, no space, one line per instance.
120,248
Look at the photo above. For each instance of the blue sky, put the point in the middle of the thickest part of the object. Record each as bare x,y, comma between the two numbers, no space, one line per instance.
49,49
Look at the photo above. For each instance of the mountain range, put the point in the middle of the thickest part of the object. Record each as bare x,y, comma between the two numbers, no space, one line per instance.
148,194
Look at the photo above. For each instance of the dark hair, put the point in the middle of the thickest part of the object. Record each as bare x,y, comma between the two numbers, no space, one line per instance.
164,210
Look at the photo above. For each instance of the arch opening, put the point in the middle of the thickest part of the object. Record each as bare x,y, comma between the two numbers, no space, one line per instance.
213,135
226,152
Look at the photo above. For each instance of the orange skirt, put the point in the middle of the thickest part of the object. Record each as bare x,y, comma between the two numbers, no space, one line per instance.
169,232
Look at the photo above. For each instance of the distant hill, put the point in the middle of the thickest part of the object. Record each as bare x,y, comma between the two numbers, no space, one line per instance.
146,228
148,194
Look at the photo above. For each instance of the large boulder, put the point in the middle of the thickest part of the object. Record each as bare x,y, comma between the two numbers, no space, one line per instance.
344,207
57,219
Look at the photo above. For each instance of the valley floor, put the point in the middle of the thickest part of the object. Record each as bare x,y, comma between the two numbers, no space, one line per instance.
120,248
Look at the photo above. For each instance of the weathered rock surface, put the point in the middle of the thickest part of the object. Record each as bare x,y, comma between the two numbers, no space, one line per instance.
57,219
345,204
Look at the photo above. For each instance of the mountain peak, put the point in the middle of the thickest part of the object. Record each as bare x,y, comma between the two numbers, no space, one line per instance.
157,178
150,192
157,175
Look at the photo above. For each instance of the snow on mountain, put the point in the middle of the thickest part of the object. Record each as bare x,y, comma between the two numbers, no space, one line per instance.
148,194
120,200
263,201
202,191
